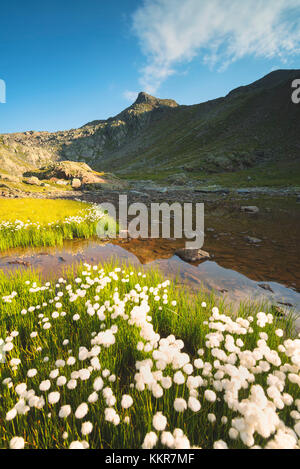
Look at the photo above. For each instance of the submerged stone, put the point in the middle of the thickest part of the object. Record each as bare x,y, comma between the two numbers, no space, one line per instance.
192,255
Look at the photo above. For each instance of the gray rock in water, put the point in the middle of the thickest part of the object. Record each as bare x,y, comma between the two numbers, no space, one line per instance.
252,240
143,194
250,209
243,191
163,190
192,255
266,286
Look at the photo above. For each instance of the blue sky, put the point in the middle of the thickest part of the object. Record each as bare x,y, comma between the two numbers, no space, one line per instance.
69,62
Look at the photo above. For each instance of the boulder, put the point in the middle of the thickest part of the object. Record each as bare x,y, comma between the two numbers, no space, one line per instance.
243,191
179,179
33,181
266,286
68,170
250,209
162,190
9,178
138,193
252,240
76,183
192,254
71,170
62,182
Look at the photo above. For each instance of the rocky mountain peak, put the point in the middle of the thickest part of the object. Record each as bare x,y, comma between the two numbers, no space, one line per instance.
145,98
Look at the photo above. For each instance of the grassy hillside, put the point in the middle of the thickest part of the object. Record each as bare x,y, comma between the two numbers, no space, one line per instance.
252,127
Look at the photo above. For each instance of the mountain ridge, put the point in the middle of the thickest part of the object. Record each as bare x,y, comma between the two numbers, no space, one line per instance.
250,125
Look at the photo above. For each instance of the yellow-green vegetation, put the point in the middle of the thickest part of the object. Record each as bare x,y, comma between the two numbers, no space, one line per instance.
115,358
39,210
19,186
45,222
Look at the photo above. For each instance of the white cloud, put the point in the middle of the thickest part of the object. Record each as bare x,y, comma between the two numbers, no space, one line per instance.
220,32
130,95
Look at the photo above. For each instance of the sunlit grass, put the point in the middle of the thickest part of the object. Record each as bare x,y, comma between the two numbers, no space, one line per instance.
46,222
110,298
39,210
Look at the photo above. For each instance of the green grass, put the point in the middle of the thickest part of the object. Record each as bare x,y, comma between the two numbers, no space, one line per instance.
29,189
278,174
113,289
46,222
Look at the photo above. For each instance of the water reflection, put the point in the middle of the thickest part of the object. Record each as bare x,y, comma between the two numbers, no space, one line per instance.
239,269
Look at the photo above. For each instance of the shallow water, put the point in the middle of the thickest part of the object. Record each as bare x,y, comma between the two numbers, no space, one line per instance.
238,269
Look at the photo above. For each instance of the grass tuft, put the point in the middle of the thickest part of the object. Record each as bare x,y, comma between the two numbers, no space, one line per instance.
32,222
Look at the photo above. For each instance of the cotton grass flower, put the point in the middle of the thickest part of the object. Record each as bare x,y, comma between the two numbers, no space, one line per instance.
194,404
53,397
86,428
93,397
72,384
76,445
210,396
45,385
81,411
167,439
180,405
150,440
21,388
220,445
64,411
126,401
179,378
61,381
17,443
98,384
11,414
159,422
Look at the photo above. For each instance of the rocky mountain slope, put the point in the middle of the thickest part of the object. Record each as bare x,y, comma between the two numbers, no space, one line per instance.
251,126
57,179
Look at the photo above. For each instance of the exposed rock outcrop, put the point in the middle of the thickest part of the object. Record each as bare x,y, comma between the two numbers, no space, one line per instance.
250,209
76,183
